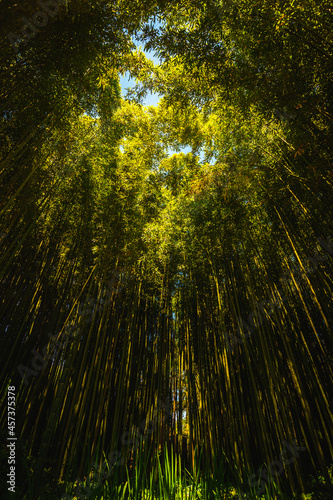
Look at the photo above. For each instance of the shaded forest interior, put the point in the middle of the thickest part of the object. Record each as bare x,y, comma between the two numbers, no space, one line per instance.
187,295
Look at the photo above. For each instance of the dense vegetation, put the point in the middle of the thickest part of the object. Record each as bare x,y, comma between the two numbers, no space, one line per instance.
167,303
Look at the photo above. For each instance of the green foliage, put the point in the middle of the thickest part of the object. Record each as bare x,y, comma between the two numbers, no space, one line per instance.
204,276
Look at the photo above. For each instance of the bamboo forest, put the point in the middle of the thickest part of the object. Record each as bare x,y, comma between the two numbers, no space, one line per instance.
166,249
